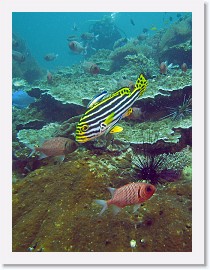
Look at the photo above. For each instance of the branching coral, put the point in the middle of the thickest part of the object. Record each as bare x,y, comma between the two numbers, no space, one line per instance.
177,33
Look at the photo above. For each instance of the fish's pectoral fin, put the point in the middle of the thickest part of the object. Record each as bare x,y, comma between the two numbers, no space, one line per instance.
109,119
113,123
59,159
41,156
116,129
136,207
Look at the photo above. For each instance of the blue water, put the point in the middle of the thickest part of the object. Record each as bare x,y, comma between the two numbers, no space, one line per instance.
47,32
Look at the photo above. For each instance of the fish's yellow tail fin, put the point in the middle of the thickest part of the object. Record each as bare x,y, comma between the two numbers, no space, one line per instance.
141,84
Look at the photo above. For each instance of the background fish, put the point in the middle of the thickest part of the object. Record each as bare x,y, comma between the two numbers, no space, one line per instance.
130,194
18,56
136,114
77,47
50,56
21,99
57,147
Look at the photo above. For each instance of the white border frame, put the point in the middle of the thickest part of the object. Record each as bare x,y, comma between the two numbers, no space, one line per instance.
181,258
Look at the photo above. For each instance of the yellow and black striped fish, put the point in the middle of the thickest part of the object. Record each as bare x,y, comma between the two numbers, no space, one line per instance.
103,115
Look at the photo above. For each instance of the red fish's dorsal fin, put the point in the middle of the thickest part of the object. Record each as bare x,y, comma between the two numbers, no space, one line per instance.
111,190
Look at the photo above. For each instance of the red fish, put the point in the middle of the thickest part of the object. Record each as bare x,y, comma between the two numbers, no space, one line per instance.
91,68
49,77
87,36
130,194
18,56
57,147
163,68
134,113
76,47
50,56
184,67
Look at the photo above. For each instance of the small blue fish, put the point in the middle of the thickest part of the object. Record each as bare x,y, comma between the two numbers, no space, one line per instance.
96,99
21,99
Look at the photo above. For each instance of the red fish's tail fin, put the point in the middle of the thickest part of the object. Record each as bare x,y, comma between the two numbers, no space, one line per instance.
102,203
33,150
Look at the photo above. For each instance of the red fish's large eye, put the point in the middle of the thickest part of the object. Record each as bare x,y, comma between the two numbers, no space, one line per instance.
148,189
72,45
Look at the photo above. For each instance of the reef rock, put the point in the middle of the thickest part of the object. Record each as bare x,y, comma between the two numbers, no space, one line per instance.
54,210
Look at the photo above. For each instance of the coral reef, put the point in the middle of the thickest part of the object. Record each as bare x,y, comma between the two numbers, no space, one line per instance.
120,42
178,54
28,69
32,137
72,89
161,168
25,119
164,130
119,54
179,32
53,204
71,222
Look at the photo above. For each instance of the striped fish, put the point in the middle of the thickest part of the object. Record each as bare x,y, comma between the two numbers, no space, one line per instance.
103,115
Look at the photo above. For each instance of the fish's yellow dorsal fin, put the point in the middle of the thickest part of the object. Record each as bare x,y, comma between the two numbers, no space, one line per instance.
141,84
121,92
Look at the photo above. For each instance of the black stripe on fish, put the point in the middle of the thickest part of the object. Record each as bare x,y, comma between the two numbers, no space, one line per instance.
102,116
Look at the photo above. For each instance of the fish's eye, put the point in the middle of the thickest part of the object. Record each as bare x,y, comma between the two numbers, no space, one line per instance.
85,128
148,189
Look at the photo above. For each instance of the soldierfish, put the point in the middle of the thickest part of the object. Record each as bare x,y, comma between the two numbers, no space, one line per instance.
134,114
18,56
56,147
130,194
184,67
50,56
77,47
90,67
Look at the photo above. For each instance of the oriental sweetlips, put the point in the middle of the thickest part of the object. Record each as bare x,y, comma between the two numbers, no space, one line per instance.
103,114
